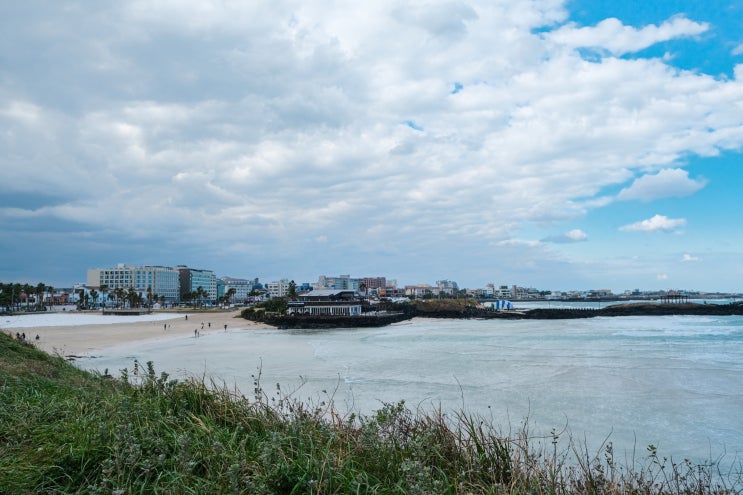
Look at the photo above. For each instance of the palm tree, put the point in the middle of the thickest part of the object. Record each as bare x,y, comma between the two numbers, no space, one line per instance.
17,289
27,292
50,290
229,295
6,292
104,289
200,293
94,297
81,298
40,295
131,296
149,297
119,293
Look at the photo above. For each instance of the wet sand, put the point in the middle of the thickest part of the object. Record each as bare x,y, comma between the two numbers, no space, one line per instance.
78,340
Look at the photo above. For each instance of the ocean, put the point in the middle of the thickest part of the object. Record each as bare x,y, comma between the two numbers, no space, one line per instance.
674,382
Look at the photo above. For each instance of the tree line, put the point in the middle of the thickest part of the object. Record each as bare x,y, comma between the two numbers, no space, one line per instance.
27,297
19,297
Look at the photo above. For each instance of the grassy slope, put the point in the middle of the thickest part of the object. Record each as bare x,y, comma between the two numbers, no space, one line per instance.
63,430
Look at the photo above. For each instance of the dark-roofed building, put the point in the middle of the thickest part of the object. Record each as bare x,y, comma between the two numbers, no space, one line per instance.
327,302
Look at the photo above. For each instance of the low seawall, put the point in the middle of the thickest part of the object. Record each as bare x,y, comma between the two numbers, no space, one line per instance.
637,309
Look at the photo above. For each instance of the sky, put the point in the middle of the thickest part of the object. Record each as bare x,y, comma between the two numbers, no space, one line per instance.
561,145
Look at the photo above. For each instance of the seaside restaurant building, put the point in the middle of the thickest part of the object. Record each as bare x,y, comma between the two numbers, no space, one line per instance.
327,302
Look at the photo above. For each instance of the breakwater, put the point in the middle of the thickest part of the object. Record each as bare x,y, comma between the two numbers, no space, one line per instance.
636,309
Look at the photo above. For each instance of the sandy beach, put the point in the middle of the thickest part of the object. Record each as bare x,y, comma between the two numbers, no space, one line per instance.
82,339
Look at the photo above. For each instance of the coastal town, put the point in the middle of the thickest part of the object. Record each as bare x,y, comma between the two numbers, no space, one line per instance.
158,287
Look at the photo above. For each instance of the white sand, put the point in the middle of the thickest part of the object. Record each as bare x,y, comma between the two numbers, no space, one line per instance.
79,334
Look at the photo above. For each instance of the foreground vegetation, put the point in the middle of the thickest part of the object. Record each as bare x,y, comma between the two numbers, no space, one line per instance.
63,430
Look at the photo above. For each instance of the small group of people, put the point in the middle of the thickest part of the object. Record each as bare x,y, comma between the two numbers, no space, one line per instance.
22,336
209,325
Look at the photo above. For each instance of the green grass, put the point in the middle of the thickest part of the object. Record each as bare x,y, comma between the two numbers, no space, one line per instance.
63,430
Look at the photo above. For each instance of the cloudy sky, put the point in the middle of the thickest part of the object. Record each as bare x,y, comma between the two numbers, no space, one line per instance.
554,144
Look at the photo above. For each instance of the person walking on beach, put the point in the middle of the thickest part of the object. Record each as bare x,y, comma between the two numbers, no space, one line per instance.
225,327
195,332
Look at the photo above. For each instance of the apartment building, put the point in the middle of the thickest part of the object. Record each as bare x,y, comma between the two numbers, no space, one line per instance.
242,286
341,282
278,288
374,282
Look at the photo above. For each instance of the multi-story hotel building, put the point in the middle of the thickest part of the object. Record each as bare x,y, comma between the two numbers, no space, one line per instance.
191,279
161,280
242,287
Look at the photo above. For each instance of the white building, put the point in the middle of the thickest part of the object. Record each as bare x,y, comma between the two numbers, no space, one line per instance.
243,287
162,281
324,302
341,282
278,288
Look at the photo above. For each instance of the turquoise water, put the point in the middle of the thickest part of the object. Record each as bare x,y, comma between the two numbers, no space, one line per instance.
674,382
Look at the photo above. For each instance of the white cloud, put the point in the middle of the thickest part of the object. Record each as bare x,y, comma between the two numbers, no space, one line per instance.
738,50
263,124
687,257
22,111
518,242
575,235
616,38
662,276
665,184
657,223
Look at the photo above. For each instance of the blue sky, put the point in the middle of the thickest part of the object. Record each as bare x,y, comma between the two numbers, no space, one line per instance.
553,144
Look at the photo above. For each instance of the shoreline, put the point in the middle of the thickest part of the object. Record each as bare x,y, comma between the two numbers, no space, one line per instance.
79,340
83,339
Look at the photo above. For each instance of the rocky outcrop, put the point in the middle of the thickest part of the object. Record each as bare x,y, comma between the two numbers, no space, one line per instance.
320,322
473,312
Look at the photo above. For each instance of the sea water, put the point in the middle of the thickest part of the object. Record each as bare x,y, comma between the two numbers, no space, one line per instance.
674,382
